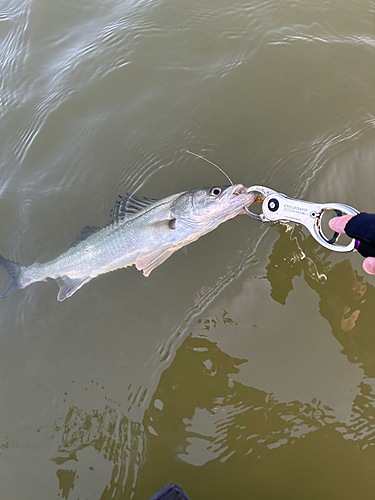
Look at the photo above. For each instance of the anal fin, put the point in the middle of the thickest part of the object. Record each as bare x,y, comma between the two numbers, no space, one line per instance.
148,262
68,286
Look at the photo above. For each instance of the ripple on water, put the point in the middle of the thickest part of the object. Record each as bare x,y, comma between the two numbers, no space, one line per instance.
13,54
105,441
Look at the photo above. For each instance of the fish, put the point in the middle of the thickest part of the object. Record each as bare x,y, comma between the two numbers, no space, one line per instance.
142,231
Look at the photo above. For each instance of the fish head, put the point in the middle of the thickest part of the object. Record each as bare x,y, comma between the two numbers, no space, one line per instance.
212,205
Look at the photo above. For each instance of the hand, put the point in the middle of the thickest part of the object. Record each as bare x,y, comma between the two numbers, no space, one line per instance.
338,224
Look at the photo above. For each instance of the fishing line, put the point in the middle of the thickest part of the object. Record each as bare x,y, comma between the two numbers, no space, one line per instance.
212,163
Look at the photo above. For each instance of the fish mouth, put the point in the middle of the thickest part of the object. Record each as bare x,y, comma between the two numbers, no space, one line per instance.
259,197
244,197
248,197
239,189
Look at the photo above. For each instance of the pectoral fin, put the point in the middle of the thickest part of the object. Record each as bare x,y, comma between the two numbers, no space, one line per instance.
163,225
68,286
148,262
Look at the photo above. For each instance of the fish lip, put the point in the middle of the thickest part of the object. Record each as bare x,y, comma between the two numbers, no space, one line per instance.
239,189
241,197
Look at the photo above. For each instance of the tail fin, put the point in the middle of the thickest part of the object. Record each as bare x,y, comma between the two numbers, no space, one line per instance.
14,271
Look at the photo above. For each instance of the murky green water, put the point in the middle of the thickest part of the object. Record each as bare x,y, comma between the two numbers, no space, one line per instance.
245,366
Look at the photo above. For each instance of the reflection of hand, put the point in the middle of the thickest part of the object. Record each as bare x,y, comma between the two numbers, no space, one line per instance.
348,322
344,302
338,224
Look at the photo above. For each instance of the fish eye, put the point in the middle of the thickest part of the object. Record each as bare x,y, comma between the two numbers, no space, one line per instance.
215,191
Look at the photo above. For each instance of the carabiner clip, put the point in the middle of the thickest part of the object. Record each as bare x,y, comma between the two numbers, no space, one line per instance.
277,207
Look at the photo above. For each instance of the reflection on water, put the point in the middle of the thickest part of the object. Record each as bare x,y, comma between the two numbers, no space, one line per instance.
202,417
200,414
218,419
214,322
108,434
290,256
345,301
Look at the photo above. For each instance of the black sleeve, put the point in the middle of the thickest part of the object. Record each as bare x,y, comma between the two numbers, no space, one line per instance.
362,228
170,492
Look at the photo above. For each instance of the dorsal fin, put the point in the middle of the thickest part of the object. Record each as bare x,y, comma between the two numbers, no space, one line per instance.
127,205
84,234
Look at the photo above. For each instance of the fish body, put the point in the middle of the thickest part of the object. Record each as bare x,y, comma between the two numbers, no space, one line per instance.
142,232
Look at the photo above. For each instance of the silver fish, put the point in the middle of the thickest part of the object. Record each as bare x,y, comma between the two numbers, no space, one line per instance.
143,232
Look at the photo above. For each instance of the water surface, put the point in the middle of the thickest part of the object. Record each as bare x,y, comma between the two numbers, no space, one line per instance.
243,366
